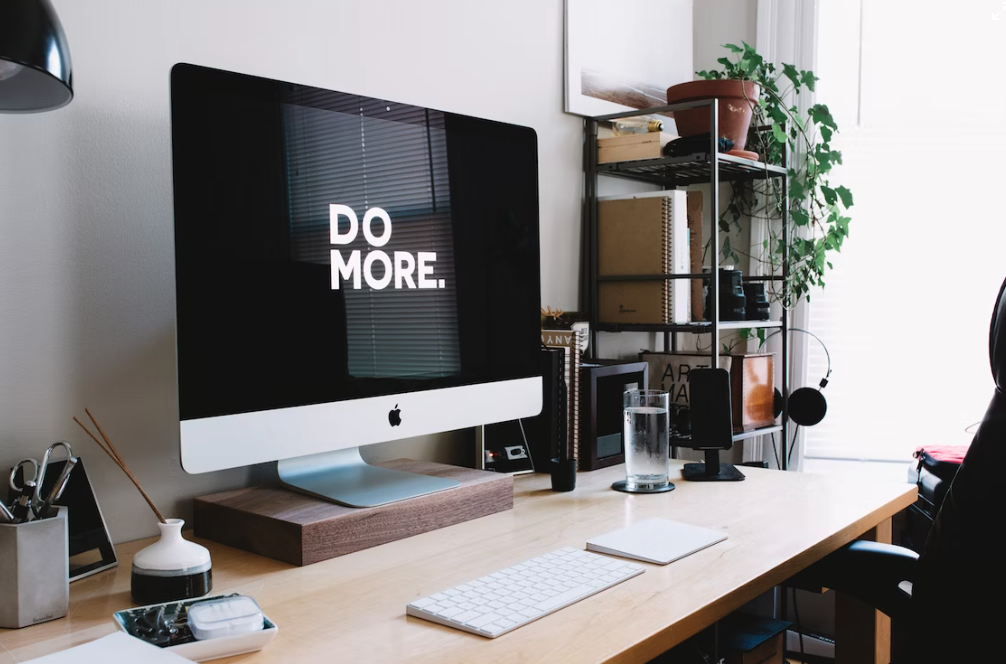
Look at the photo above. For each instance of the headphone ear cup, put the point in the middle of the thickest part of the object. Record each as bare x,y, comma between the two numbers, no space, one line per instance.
807,406
776,402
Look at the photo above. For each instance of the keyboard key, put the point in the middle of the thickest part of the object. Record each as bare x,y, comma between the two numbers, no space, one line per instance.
423,603
563,598
484,620
466,616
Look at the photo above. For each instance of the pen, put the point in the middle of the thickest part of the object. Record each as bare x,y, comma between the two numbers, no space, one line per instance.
57,489
5,515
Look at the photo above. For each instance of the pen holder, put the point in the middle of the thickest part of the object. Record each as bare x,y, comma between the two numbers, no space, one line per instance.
563,474
35,583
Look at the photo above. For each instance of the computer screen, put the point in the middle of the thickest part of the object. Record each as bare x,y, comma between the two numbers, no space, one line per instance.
333,249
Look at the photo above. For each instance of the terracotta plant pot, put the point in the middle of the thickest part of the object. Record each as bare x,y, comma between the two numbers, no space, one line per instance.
737,99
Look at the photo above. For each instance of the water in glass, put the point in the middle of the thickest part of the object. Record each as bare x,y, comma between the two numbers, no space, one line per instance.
646,441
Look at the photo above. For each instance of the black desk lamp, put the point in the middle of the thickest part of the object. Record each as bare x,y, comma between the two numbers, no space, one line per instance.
35,71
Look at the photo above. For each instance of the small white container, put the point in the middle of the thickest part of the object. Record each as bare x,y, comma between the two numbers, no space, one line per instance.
230,616
202,651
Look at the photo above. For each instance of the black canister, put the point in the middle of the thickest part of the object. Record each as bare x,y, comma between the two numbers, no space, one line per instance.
732,300
757,305
563,474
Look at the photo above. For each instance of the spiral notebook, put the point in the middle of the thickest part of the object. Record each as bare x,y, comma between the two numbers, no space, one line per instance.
657,541
643,234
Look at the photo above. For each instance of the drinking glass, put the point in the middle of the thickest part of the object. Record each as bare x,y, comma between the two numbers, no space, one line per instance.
647,453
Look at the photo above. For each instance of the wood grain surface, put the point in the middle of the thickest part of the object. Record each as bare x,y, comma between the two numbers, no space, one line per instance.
296,528
352,608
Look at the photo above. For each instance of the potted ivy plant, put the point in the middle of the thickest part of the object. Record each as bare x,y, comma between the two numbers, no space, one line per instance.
817,208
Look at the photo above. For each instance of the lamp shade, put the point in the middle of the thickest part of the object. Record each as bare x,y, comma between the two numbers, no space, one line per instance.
35,71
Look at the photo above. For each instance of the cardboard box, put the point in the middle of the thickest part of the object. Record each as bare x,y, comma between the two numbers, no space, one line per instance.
632,147
752,378
769,652
749,639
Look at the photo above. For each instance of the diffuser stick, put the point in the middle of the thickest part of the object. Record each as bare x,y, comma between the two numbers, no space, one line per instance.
105,438
110,451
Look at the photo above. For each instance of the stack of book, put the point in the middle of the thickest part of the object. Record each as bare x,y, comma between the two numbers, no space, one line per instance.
570,341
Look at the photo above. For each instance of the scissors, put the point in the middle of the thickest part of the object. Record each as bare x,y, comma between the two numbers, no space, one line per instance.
29,491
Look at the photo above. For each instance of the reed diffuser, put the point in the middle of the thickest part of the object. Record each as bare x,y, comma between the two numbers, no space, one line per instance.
171,568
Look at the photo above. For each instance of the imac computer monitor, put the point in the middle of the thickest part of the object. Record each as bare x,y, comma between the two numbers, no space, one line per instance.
349,271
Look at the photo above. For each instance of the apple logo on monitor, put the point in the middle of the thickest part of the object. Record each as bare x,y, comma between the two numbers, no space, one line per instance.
395,416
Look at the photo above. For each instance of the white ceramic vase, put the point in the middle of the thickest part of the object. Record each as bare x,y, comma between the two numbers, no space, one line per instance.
172,568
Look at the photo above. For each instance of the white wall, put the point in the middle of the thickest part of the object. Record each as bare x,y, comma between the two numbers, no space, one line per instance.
719,22
86,270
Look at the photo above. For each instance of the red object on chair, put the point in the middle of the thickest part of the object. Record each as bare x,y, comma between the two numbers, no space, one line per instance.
941,460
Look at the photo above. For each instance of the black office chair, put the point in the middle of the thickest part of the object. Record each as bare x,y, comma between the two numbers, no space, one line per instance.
955,610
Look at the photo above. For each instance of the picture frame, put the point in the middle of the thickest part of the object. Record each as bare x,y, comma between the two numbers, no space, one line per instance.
623,56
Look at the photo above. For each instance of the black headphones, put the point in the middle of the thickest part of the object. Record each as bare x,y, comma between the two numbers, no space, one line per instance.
807,405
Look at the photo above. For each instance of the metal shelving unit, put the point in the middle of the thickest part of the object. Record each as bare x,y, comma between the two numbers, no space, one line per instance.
710,167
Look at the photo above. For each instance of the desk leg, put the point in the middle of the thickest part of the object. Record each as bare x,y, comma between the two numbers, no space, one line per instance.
863,634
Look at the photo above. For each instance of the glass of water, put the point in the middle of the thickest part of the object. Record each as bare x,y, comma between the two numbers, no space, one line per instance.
647,452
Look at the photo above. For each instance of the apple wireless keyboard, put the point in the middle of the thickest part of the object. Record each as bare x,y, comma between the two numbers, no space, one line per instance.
513,597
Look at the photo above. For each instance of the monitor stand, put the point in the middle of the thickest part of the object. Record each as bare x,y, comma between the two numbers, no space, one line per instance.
712,470
345,478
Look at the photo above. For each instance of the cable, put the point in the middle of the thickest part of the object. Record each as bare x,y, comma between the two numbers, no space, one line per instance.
527,448
775,453
797,329
792,445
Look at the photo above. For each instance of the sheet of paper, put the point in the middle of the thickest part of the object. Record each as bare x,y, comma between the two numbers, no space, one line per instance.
655,541
118,648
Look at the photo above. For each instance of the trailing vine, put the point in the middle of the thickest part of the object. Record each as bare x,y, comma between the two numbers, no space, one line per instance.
817,209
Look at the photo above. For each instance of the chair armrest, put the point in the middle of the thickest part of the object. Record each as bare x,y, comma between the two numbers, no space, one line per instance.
870,571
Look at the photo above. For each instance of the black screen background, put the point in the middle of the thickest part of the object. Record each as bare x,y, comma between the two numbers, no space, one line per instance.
257,329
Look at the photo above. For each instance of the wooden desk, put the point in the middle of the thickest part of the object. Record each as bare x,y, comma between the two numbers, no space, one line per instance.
352,609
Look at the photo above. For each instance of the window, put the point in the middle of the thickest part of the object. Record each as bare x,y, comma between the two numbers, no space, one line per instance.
906,311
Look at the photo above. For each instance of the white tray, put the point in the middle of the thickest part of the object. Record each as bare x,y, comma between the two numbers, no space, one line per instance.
201,651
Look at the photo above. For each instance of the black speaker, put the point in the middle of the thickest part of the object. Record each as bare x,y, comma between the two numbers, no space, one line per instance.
546,430
602,386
